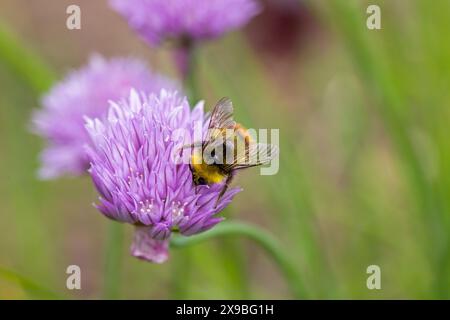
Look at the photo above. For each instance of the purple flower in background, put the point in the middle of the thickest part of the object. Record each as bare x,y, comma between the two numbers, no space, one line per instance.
86,92
158,20
139,182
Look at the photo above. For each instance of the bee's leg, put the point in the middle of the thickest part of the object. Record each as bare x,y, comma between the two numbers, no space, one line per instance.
193,179
224,189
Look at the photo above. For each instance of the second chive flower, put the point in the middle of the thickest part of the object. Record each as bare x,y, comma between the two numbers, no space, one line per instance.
86,92
159,20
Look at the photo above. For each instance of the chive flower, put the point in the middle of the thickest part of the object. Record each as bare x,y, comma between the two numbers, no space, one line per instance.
159,20
139,182
85,92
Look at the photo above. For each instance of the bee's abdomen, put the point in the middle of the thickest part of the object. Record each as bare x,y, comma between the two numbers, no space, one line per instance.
206,174
198,180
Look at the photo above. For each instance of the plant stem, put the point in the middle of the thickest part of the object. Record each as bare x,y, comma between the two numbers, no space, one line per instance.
23,62
185,59
191,81
113,260
273,248
34,289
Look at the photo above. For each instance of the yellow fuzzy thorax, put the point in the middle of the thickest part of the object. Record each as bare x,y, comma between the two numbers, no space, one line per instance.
210,173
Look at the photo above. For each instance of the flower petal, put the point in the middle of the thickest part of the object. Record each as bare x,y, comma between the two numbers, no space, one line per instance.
146,248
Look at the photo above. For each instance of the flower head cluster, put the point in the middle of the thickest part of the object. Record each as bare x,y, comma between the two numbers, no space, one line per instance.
86,92
158,20
139,182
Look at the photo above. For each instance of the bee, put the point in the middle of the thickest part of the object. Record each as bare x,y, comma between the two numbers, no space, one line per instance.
226,148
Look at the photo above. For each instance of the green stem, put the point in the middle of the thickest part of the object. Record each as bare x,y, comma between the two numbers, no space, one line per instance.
23,62
272,247
181,268
113,260
35,290
190,78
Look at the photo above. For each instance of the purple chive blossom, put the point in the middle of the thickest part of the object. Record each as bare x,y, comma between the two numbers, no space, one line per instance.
139,182
158,20
85,92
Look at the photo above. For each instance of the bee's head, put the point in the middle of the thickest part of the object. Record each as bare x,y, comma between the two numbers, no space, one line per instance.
212,154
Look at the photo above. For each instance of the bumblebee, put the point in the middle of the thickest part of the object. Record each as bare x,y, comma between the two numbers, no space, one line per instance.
226,148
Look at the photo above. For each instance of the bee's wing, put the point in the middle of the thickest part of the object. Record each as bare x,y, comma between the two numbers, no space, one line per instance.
221,118
255,154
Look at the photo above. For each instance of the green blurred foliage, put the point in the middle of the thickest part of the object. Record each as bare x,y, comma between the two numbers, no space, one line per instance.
365,158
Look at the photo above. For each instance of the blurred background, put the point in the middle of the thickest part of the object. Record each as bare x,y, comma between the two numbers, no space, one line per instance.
365,153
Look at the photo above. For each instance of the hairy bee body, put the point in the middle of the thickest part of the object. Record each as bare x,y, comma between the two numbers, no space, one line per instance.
203,173
237,151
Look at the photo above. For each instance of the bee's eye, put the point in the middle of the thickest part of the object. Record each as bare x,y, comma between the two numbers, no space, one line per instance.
201,180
